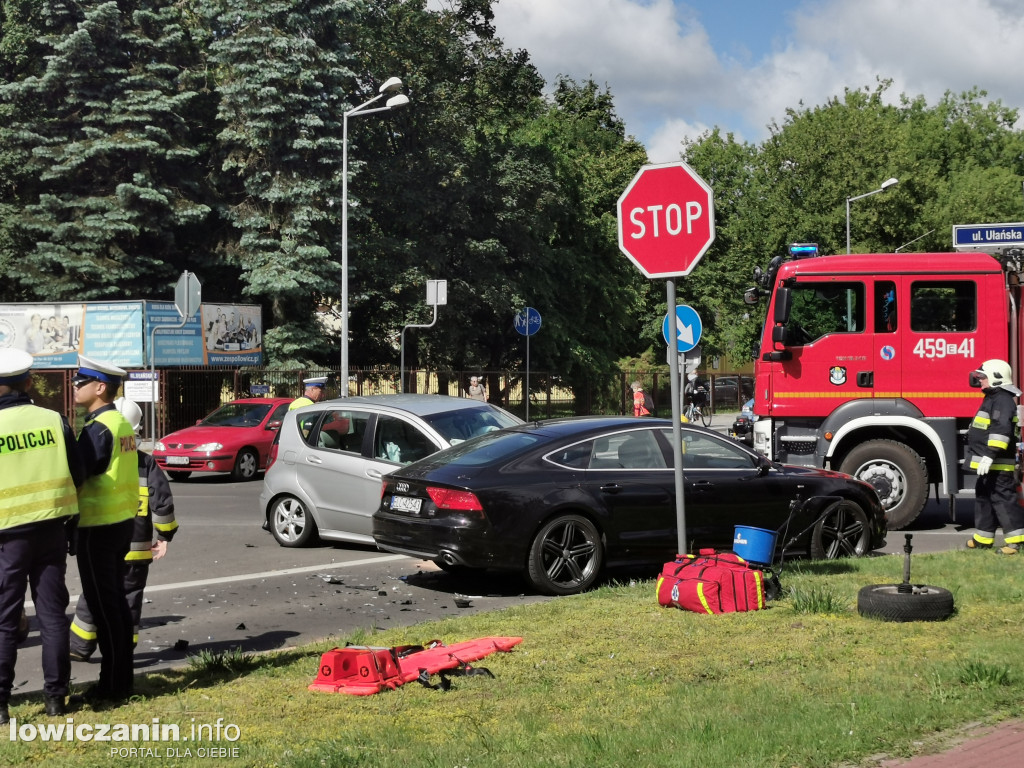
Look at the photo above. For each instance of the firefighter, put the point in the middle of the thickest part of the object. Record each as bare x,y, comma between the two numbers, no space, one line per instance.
107,501
155,514
314,392
991,445
39,470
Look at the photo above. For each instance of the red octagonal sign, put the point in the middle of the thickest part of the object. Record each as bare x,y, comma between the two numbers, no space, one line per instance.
666,219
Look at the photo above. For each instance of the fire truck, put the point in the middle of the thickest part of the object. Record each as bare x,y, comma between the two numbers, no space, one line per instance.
865,364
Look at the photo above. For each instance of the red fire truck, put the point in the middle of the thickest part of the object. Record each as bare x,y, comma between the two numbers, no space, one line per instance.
865,364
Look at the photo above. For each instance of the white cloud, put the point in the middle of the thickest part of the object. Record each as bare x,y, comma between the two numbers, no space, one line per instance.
670,80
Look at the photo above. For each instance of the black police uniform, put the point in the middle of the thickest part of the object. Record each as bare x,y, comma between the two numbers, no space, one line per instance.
101,552
156,513
36,554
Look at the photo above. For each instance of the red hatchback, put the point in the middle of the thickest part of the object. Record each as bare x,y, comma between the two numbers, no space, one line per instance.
235,438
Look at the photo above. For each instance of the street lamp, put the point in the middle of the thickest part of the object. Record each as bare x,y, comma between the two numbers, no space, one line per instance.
391,87
885,185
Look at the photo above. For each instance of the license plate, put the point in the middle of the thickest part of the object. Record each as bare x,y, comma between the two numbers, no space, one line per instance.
178,460
405,504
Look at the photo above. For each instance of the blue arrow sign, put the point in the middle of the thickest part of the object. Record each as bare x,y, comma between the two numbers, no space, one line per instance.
687,330
527,321
988,235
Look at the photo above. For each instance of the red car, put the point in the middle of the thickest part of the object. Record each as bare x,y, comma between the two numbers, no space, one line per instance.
235,438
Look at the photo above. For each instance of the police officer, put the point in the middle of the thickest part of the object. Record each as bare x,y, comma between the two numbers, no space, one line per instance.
991,442
39,469
155,513
108,501
314,392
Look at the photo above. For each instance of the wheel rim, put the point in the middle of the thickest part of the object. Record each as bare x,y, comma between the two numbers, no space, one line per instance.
886,478
247,464
843,532
569,554
289,519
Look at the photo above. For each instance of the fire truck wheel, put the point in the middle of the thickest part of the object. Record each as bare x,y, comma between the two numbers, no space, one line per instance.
918,602
898,475
843,532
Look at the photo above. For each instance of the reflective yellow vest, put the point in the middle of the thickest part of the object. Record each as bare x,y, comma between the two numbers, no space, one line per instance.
35,482
299,402
113,496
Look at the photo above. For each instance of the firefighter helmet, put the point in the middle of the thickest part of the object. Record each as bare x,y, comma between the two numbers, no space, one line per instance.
130,410
997,371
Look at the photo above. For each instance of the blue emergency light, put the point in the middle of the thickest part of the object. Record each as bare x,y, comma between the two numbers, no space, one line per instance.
803,250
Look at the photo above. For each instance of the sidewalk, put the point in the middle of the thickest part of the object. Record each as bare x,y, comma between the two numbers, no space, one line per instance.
989,746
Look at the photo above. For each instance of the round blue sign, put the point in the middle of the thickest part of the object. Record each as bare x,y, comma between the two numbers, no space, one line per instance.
686,330
527,321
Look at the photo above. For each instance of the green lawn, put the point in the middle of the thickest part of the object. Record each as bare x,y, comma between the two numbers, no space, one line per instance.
611,679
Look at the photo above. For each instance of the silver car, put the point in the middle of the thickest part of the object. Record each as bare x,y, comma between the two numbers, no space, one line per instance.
327,463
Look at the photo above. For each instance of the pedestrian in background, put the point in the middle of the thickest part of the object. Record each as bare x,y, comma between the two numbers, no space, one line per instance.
107,501
155,515
991,445
313,392
643,403
476,390
39,471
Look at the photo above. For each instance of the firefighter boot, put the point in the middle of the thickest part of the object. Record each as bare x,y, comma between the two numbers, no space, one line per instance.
1010,549
973,543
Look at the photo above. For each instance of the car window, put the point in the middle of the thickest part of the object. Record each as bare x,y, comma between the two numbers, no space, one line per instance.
701,451
237,415
279,412
636,449
399,441
340,429
464,423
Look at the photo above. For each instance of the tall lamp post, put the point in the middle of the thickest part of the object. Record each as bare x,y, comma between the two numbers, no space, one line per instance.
885,185
391,87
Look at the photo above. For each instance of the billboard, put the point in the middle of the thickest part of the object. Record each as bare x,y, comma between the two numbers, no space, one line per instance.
120,332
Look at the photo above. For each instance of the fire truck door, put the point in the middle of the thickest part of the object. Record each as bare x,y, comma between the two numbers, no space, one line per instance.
831,346
886,364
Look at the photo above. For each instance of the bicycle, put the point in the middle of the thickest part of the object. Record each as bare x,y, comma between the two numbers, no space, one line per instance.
696,413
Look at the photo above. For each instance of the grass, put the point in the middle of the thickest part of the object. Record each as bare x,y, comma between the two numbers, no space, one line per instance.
610,679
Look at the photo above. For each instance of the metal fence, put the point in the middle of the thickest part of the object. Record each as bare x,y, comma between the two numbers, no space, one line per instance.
186,395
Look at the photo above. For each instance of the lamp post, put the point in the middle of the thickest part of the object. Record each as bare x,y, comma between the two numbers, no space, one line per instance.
390,88
885,185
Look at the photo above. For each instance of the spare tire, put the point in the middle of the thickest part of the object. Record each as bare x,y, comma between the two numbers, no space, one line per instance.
905,602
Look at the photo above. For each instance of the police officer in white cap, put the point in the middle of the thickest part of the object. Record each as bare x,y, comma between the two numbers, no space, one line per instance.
108,501
313,393
39,470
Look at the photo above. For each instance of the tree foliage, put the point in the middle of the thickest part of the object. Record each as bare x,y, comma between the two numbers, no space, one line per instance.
139,138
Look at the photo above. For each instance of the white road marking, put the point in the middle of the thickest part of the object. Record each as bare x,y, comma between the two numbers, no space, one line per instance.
256,576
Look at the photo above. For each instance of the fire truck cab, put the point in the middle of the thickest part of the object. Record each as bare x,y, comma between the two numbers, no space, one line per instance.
865,365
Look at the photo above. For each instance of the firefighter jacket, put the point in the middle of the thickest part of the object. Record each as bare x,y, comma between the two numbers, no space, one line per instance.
111,492
156,511
993,432
38,464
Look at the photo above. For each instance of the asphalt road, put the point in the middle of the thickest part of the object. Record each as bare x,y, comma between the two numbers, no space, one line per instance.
226,583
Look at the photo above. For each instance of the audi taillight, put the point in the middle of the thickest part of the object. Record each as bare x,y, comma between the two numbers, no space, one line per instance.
454,499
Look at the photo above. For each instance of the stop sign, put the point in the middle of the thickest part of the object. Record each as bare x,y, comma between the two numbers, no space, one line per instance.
666,219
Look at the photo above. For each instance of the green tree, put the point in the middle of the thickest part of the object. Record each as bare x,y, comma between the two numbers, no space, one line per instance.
282,80
109,180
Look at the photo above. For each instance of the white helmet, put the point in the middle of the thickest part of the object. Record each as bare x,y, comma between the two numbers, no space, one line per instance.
131,411
997,371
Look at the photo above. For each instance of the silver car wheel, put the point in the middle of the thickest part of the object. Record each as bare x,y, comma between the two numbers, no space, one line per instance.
291,523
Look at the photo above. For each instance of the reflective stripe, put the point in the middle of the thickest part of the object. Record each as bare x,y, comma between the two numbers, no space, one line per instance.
703,600
87,632
758,579
982,539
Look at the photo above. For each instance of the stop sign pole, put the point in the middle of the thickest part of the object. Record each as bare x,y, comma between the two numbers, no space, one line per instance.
666,225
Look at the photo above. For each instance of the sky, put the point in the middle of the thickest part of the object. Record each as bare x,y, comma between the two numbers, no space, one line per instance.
677,68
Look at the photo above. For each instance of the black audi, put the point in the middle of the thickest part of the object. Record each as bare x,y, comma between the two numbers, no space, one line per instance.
562,500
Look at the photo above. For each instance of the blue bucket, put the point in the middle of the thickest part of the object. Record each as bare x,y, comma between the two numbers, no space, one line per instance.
755,545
